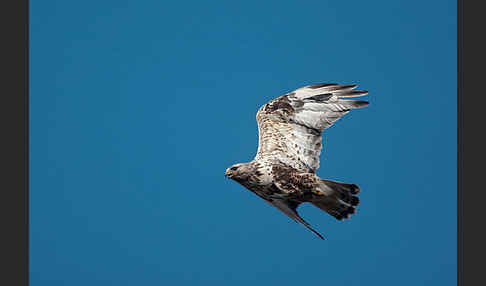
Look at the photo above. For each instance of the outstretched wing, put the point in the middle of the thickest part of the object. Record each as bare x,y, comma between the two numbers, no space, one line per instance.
292,124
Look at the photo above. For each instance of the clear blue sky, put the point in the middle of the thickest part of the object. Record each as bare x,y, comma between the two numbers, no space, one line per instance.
138,107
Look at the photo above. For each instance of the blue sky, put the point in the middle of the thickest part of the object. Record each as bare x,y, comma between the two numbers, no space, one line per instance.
138,107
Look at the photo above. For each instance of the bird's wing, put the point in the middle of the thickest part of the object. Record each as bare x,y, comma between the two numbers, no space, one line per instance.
289,208
292,124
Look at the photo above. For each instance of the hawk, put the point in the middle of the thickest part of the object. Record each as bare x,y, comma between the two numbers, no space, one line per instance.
289,130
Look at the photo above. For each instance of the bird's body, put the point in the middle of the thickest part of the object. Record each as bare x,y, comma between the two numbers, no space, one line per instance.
283,170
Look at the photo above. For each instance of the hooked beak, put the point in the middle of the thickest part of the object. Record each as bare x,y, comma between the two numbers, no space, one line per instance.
227,174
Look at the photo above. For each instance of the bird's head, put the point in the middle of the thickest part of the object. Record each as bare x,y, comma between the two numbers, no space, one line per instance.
238,171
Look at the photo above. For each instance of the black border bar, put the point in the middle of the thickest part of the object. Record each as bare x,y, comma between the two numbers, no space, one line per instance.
14,135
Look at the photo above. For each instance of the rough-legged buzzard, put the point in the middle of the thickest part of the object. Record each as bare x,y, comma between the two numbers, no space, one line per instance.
283,170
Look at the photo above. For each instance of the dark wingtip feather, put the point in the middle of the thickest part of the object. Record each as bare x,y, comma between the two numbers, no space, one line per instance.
351,93
319,85
348,86
319,235
307,225
359,103
333,86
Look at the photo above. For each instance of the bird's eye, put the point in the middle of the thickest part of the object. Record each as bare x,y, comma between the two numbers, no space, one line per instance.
233,168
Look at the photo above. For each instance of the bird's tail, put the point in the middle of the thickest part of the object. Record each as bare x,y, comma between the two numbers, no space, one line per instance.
337,199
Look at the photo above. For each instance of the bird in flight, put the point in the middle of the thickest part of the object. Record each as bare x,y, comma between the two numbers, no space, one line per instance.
289,130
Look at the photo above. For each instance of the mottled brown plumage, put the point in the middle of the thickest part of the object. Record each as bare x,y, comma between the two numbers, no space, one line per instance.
283,170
